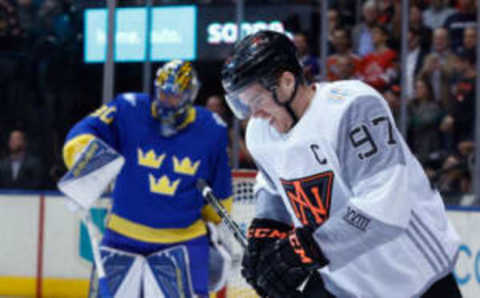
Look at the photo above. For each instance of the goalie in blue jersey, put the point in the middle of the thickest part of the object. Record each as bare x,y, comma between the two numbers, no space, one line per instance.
155,243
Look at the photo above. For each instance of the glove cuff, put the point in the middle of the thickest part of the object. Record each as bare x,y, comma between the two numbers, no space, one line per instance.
305,246
268,228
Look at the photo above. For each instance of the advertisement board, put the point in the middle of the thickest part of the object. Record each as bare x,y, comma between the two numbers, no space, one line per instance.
184,32
173,34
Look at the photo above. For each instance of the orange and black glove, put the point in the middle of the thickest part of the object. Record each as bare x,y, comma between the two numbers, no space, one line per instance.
262,234
285,265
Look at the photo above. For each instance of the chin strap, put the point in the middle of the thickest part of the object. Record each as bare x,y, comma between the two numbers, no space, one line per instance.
287,104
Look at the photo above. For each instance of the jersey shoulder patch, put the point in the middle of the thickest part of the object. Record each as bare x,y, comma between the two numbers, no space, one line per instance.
346,92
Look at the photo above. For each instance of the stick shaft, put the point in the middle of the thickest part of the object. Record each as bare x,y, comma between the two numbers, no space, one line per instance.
229,222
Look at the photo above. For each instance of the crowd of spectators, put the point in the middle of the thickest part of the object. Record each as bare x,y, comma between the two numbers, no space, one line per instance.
44,89
439,78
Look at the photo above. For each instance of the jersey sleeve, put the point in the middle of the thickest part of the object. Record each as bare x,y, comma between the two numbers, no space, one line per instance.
102,124
268,202
221,179
372,157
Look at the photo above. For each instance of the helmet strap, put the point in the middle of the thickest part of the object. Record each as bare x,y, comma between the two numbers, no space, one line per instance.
287,105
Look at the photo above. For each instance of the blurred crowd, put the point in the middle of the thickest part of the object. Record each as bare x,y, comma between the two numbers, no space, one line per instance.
45,87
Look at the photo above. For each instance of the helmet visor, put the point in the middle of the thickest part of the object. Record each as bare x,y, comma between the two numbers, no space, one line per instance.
246,100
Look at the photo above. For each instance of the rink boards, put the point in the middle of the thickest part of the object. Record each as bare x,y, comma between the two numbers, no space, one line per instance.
41,252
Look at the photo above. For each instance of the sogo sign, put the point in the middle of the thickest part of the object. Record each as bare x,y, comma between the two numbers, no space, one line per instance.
227,32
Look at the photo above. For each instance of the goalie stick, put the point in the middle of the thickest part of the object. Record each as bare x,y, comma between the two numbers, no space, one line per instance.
95,168
94,233
207,193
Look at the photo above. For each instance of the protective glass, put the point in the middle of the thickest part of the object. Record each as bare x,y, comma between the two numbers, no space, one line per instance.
245,101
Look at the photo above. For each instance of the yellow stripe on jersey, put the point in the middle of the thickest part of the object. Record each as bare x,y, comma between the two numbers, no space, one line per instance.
148,234
209,214
74,147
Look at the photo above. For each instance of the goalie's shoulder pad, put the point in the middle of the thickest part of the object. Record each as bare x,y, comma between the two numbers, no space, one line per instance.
210,119
132,99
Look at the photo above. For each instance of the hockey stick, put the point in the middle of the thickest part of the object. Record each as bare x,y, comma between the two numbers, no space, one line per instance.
207,193
94,233
95,168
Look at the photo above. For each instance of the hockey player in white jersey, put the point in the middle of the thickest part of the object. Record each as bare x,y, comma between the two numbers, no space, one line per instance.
342,201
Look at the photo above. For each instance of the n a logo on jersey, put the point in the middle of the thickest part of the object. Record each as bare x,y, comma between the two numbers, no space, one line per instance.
310,197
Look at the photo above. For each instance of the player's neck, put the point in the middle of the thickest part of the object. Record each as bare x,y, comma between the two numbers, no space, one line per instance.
303,99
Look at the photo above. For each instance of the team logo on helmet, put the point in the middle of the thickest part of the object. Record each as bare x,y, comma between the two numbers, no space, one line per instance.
178,79
175,77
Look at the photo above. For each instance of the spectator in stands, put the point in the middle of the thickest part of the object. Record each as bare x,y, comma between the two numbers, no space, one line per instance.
454,179
28,20
414,62
309,62
345,67
465,17
416,22
386,12
379,68
345,8
425,115
392,95
362,34
10,30
459,124
342,54
436,14
461,110
333,17
20,169
439,65
469,40
216,104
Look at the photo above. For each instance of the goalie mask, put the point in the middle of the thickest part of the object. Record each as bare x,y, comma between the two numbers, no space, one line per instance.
259,58
176,87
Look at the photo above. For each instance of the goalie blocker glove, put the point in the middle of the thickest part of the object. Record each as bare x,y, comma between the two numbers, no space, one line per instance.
286,264
262,234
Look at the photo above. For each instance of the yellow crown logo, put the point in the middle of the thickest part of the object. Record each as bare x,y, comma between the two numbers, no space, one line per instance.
185,166
150,159
163,186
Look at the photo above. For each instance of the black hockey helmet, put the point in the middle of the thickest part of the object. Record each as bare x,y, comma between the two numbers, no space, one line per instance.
260,57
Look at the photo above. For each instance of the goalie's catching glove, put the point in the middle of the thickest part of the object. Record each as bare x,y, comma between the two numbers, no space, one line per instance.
283,267
262,234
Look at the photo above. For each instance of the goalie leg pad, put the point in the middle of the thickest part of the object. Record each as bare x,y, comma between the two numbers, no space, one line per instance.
197,253
124,272
167,274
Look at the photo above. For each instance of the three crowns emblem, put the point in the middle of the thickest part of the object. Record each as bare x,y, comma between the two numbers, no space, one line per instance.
150,159
185,166
164,185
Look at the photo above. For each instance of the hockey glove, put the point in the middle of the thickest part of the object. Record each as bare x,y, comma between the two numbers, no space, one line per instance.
262,233
283,267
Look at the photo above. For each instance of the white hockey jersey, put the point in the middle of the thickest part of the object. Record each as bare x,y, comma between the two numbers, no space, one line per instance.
346,169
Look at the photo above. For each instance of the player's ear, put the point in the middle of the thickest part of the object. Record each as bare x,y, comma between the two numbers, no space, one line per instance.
286,83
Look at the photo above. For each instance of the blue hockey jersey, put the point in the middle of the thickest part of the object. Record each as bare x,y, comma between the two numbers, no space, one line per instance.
155,199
